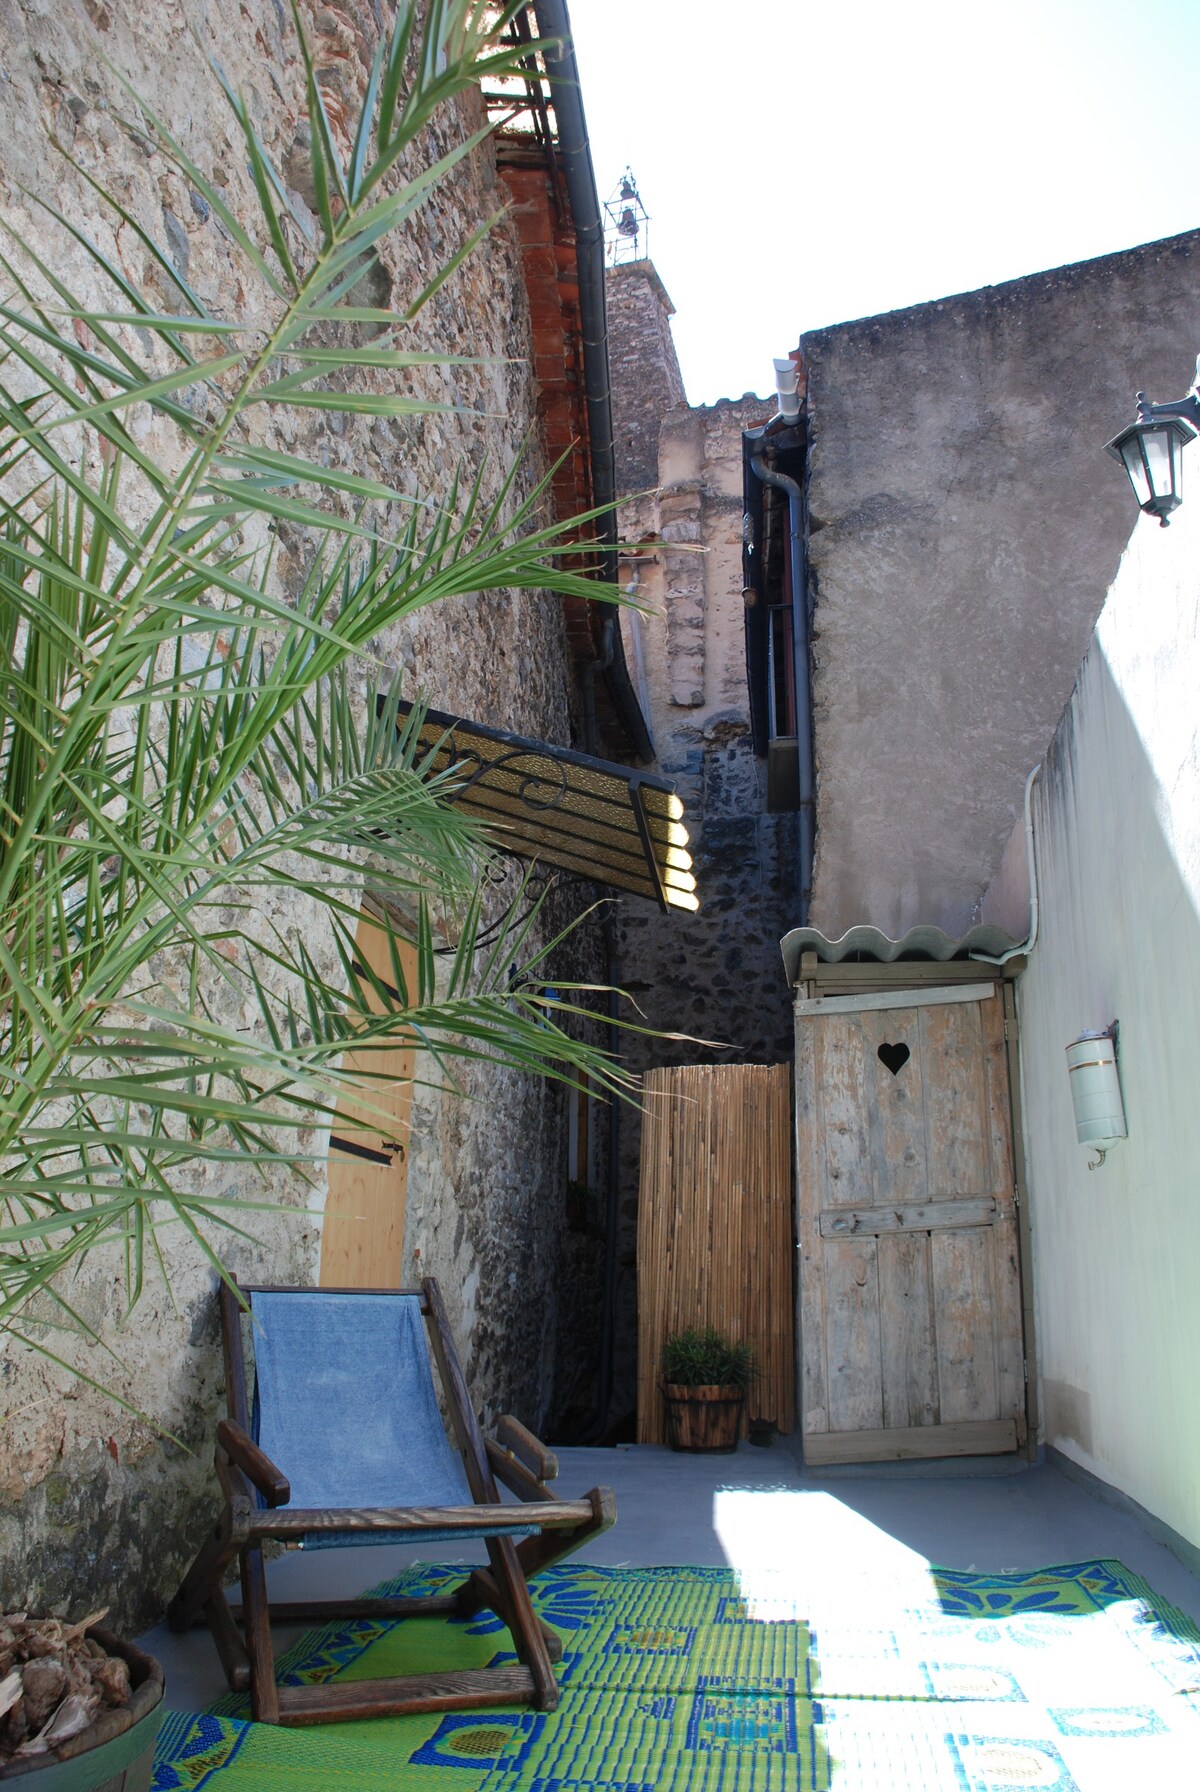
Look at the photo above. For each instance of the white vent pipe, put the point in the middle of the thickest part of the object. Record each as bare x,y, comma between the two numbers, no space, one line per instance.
787,388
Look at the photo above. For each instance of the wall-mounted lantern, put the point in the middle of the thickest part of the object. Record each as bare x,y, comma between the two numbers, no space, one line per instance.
1096,1091
1151,450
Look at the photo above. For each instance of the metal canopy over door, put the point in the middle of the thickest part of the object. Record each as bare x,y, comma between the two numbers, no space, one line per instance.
910,1290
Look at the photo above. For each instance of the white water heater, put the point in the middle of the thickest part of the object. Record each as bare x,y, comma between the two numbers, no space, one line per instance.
1096,1091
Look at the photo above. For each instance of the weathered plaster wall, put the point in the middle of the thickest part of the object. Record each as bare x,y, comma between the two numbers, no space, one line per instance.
94,1505
715,975
964,522
1117,1250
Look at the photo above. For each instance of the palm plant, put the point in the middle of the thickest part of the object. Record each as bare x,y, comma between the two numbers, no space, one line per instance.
185,749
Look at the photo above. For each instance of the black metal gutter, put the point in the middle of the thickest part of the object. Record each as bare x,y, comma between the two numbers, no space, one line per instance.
801,641
575,157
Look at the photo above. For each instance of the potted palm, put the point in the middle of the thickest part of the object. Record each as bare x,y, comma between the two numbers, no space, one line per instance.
705,1379
186,754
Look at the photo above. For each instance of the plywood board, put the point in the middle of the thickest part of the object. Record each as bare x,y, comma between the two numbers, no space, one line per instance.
362,1242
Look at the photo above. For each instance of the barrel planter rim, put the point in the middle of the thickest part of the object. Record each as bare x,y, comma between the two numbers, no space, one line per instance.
719,1408
108,1746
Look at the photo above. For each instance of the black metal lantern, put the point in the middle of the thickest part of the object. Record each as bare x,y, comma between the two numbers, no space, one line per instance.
1151,450
1152,455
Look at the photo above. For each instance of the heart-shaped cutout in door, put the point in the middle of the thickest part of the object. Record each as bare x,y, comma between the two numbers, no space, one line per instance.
894,1057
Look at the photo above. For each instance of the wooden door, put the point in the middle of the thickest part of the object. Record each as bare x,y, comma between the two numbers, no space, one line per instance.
362,1242
910,1297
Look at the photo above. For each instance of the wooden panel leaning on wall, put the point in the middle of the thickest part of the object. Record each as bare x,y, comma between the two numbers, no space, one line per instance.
362,1244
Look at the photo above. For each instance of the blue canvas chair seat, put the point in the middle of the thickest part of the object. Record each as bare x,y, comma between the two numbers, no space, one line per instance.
344,1402
343,1442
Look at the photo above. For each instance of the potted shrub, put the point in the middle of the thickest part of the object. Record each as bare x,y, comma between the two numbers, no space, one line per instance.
705,1378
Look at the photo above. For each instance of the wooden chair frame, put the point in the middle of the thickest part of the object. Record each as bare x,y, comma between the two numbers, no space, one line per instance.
514,1457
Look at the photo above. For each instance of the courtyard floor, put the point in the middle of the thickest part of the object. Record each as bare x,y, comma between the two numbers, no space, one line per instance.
762,1510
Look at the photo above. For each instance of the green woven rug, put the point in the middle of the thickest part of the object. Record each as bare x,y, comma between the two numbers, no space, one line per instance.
1074,1679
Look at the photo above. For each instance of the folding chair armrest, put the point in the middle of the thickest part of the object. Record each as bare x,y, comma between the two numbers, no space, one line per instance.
254,1463
512,1435
514,1475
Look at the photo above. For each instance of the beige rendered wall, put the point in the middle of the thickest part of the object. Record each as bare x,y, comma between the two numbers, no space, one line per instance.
964,526
1117,1250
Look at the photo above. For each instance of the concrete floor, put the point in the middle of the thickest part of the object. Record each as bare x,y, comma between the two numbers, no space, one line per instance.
762,1511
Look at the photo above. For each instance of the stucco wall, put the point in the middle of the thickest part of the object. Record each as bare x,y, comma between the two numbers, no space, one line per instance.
1117,1250
964,526
94,1504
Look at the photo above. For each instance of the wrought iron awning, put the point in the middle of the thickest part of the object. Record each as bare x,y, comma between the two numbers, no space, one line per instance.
609,823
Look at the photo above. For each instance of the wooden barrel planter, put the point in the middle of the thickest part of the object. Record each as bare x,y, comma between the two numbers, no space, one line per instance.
116,1753
704,1420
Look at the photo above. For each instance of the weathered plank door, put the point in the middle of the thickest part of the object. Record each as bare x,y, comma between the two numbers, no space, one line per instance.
910,1299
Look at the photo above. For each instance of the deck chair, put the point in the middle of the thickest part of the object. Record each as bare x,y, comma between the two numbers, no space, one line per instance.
343,1443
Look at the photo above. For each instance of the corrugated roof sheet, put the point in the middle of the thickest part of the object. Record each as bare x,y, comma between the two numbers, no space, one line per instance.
873,946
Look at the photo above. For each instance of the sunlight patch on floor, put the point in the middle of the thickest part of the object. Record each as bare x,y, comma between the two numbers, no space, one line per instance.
786,1542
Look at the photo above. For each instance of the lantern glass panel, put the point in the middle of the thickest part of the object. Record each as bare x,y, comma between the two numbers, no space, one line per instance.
1160,450
1135,466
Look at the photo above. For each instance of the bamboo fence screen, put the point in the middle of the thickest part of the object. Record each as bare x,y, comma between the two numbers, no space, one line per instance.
715,1240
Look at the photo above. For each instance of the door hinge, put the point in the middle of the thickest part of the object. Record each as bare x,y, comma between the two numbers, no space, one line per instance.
1025,1369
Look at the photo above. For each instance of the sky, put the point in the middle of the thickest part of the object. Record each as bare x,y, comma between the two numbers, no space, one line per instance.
805,162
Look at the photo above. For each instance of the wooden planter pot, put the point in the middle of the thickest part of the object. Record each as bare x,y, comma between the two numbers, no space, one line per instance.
707,1420
117,1753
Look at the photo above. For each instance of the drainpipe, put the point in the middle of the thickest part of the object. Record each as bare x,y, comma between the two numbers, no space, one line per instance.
575,157
801,638
609,636
593,1426
1030,940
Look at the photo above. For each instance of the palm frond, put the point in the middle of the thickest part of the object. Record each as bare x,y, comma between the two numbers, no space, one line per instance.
185,753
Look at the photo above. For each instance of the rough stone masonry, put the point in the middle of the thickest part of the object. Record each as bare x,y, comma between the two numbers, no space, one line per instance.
103,1505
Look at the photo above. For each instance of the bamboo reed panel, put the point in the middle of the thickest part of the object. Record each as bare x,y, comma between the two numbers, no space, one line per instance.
715,1243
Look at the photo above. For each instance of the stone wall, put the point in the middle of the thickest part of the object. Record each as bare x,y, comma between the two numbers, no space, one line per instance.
965,524
716,975
646,381
97,1505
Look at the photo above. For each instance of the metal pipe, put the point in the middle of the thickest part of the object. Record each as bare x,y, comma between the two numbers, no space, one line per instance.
575,157
801,636
593,1426
609,634
1030,941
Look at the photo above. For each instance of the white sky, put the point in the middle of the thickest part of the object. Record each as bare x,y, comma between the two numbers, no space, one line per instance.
805,162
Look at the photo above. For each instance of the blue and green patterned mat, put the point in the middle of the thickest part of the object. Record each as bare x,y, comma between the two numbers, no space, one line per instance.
1075,1679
